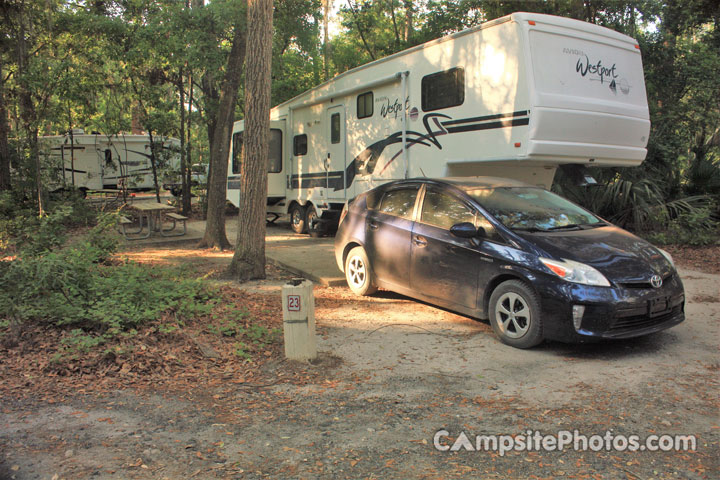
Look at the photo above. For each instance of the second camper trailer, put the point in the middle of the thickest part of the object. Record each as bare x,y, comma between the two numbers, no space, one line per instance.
95,161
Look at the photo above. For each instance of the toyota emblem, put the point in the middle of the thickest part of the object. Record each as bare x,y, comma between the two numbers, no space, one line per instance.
656,281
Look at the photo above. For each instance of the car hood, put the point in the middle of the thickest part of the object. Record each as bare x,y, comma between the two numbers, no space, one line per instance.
619,255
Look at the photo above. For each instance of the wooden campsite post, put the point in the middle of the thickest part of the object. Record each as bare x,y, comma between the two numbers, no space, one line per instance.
299,320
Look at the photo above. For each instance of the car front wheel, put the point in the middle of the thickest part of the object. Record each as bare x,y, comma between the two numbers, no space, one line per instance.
358,272
514,312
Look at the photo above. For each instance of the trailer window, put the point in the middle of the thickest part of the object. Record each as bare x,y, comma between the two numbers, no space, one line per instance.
275,153
300,145
365,105
237,142
443,89
335,128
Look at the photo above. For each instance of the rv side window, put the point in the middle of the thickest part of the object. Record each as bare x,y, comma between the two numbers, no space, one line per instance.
237,142
365,105
300,145
335,128
108,157
443,89
275,153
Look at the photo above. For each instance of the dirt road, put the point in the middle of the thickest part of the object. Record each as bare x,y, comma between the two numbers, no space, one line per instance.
392,373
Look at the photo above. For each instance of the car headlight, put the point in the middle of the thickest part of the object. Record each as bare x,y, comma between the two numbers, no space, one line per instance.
576,272
667,256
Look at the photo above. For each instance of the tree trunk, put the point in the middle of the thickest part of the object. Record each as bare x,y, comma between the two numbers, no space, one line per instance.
249,259
153,164
28,115
4,134
187,201
184,164
326,4
360,29
395,27
215,236
408,20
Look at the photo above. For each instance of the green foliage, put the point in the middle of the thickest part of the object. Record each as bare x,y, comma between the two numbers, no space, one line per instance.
241,351
71,286
261,335
22,229
238,324
695,227
91,64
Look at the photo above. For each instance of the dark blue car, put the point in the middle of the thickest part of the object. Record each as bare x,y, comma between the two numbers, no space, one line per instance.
533,263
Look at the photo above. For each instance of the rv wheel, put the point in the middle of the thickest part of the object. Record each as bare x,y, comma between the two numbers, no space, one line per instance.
297,219
311,221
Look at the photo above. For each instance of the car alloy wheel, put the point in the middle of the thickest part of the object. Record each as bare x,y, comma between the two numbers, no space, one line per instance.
514,311
358,272
513,315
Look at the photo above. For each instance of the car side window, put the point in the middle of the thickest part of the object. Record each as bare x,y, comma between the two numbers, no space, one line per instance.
399,202
490,232
444,211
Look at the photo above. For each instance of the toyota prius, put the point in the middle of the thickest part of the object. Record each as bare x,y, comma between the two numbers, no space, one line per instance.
534,264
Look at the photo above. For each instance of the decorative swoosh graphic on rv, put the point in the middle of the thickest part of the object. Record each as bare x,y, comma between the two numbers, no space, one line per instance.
486,122
436,125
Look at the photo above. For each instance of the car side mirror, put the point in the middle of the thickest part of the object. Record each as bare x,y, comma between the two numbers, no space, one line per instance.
467,230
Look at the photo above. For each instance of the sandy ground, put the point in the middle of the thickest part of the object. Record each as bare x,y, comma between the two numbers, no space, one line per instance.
395,372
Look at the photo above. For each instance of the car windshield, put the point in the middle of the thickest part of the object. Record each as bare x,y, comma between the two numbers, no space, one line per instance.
534,209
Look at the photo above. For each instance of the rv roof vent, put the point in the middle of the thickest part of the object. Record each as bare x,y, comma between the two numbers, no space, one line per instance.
78,131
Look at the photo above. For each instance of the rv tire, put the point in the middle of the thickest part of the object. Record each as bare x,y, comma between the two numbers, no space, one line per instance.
297,218
311,221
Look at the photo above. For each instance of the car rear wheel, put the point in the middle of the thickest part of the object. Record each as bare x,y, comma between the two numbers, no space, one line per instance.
515,314
297,219
358,272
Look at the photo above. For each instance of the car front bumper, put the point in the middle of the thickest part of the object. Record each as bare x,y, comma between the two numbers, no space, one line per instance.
610,312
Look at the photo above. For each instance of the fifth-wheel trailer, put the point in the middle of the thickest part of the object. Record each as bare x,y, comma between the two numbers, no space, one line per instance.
95,161
516,97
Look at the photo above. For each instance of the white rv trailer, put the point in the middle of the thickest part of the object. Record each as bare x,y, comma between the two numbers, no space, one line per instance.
516,97
96,161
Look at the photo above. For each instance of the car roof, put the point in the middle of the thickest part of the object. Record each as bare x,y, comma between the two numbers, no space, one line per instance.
472,183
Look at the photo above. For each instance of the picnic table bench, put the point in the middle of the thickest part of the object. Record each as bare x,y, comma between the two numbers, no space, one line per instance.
151,215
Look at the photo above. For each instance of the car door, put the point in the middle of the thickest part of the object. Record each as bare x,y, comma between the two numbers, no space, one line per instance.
387,235
442,265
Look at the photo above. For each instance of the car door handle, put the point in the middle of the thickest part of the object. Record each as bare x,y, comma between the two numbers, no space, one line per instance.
373,225
419,241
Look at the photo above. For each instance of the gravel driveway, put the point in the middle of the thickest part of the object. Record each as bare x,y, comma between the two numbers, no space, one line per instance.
395,372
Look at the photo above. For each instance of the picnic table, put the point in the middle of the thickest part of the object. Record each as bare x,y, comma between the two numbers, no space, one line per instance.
151,215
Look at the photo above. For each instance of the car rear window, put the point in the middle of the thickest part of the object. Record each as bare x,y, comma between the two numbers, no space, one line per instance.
399,202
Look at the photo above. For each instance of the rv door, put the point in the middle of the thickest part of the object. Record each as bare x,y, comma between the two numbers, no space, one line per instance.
334,162
276,172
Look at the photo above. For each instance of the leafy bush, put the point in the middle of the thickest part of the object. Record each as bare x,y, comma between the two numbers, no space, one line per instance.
695,227
21,228
74,286
641,204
